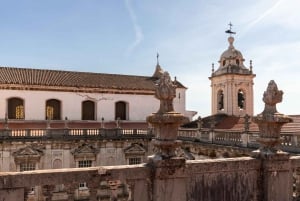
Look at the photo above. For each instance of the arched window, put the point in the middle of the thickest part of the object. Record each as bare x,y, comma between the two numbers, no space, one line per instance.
220,99
53,109
237,62
241,99
121,110
88,110
15,108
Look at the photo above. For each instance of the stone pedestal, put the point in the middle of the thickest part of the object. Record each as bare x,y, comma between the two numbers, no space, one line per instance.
270,127
276,182
277,178
169,182
165,128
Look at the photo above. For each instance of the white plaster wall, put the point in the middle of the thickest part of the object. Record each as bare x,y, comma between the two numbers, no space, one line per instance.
139,106
179,101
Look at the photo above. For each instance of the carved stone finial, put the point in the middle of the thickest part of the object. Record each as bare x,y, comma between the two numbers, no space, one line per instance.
271,97
166,121
251,67
165,92
270,122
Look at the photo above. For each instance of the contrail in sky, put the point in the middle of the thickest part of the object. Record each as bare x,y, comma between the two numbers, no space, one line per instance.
137,29
261,17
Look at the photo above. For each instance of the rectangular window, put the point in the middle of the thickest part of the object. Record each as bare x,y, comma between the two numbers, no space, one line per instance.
135,160
85,163
27,167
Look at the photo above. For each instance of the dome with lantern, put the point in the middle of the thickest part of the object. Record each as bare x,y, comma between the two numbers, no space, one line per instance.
232,60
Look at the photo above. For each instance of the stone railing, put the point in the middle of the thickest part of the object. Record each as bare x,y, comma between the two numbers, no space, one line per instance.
175,180
290,142
72,133
104,183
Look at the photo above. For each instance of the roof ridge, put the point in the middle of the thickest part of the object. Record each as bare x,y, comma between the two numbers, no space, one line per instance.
70,71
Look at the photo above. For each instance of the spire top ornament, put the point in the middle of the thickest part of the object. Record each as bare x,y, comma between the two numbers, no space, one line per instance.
229,31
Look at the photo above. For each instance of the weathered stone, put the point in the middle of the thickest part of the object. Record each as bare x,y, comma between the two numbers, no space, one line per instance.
270,122
166,121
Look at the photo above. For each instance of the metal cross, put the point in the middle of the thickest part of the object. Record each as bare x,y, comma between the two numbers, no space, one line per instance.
230,26
229,30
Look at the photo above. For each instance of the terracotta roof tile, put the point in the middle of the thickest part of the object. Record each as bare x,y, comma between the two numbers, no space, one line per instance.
59,78
233,123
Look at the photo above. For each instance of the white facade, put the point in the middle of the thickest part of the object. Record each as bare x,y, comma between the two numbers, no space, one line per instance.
138,106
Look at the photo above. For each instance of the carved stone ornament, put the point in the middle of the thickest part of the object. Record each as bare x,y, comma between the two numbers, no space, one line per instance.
165,92
166,121
270,121
26,154
135,150
85,151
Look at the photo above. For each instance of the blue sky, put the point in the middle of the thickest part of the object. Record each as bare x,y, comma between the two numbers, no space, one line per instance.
123,37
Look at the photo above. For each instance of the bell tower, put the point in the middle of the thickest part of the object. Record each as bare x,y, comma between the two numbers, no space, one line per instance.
232,83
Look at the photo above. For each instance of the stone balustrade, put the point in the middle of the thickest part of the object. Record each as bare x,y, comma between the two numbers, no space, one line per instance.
72,133
290,141
202,180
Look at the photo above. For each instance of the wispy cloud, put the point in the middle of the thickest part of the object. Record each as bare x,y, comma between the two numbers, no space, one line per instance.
260,18
137,29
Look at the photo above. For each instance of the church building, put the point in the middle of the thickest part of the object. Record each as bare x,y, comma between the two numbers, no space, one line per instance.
37,95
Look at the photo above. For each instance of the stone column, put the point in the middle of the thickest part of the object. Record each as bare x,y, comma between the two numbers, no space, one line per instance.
276,164
169,183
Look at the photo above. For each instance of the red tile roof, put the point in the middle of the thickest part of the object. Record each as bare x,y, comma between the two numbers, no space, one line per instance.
232,123
59,79
237,124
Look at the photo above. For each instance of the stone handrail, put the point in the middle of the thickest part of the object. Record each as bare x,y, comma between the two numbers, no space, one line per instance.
109,180
203,180
290,142
136,182
13,134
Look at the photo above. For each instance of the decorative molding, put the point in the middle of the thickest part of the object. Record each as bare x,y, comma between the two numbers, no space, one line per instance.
134,149
26,154
85,151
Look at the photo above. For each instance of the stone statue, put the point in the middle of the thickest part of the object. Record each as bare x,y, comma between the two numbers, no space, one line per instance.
165,92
